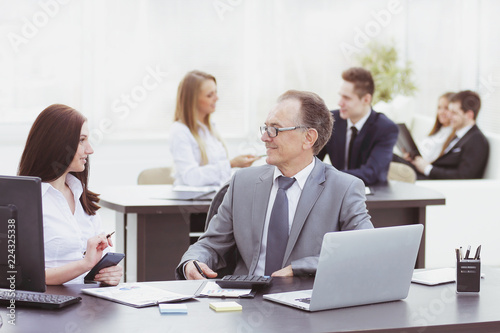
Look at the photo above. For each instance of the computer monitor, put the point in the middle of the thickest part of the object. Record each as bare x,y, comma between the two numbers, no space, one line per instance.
22,262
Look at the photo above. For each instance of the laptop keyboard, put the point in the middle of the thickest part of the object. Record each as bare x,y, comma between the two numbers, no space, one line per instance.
39,300
306,300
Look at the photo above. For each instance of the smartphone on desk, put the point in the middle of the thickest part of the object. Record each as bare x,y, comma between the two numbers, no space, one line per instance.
109,259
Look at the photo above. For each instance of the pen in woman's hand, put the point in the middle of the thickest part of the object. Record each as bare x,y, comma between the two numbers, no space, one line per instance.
107,236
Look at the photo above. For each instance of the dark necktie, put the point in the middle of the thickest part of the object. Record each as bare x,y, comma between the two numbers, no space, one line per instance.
277,234
354,133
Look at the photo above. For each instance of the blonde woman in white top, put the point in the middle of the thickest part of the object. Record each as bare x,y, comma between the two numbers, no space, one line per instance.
57,151
432,146
200,157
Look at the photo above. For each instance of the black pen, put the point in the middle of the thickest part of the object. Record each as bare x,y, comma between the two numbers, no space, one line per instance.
478,251
467,252
199,269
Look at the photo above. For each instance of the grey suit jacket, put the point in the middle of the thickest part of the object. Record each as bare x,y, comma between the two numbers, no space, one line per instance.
330,201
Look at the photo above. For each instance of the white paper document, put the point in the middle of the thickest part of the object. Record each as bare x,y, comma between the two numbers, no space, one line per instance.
136,294
212,289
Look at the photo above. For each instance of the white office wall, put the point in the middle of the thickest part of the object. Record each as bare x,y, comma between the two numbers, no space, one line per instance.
120,61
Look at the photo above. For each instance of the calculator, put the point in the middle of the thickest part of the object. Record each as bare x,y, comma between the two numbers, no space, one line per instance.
244,281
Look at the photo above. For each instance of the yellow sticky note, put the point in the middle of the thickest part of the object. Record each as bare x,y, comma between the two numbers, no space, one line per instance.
225,306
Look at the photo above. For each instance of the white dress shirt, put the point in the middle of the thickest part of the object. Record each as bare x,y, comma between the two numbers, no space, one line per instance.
187,157
293,196
431,146
348,135
66,234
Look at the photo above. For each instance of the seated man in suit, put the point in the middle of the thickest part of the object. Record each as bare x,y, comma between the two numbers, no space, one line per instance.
276,215
362,139
466,154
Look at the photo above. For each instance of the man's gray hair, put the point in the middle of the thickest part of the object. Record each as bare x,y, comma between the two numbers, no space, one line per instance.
313,114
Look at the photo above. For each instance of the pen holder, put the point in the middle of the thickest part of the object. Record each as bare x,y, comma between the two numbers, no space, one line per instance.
468,275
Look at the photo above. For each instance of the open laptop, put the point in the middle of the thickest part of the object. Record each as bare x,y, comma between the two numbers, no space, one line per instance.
360,267
405,142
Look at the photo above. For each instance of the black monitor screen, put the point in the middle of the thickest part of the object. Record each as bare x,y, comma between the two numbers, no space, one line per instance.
22,263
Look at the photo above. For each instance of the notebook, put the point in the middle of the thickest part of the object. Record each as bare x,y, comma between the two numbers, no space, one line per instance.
433,277
360,267
405,142
136,294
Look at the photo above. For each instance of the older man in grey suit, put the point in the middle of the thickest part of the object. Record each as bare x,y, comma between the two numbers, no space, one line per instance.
279,230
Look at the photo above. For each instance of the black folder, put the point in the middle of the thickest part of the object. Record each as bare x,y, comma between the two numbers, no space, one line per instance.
405,142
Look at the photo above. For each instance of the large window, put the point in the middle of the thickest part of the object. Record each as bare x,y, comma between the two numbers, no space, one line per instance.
120,61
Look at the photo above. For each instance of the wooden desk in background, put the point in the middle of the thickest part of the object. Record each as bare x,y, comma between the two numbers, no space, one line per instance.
162,234
426,309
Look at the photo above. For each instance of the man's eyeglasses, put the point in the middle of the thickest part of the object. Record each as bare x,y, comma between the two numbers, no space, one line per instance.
272,132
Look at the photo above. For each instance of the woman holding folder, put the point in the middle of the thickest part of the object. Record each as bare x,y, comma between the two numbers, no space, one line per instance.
57,151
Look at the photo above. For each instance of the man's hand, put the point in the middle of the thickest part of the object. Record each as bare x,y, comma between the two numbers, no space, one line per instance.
420,163
286,271
407,157
191,273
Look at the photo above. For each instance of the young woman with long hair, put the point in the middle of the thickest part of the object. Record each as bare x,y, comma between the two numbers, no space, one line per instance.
57,151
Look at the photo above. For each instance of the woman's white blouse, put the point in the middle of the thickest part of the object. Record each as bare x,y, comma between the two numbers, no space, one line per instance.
431,146
65,235
187,157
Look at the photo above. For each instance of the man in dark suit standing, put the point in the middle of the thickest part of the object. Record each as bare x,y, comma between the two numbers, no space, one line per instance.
362,140
466,155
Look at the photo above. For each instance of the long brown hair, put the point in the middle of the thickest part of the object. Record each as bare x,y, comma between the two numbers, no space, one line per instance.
51,146
186,109
437,124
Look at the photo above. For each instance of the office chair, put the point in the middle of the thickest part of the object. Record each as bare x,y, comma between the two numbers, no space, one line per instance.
163,175
231,257
214,206
401,172
155,176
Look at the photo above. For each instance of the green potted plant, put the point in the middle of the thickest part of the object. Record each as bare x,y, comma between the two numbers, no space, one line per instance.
390,78
393,81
